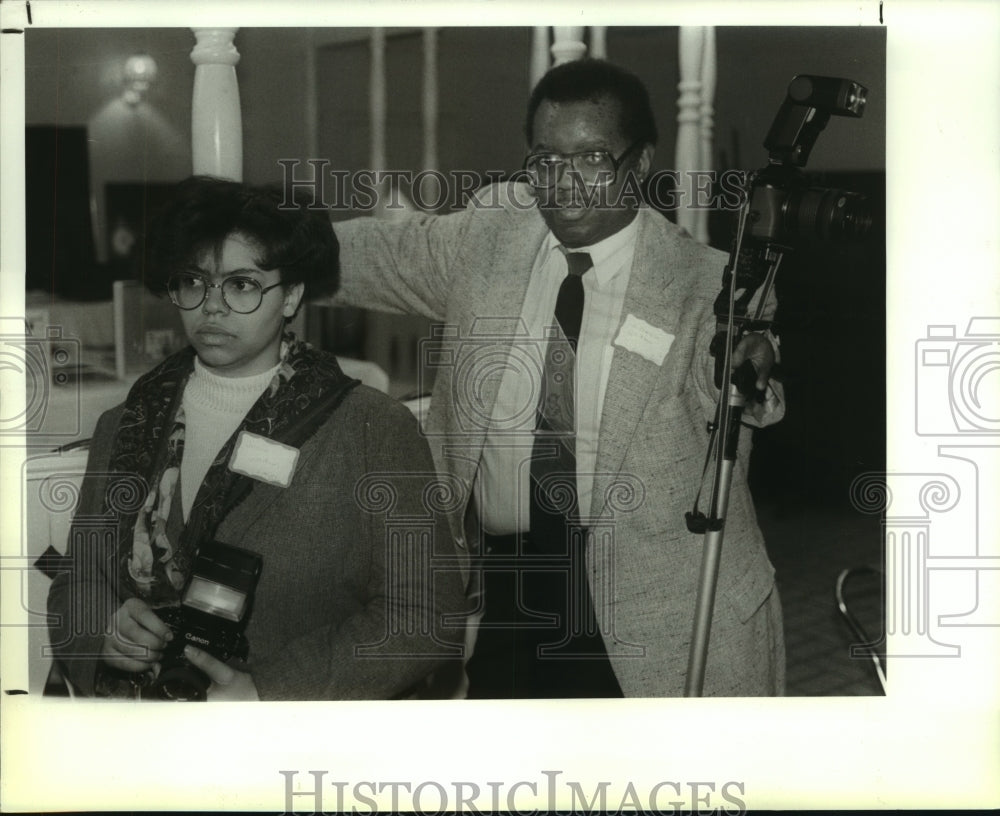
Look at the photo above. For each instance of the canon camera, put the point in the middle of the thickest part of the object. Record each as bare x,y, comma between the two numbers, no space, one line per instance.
212,616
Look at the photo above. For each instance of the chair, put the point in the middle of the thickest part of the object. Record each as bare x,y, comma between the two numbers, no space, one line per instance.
52,486
866,644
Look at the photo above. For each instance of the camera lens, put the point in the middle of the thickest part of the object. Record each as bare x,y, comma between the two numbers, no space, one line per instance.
183,683
819,213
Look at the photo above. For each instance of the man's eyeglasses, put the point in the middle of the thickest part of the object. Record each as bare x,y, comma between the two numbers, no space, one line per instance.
595,168
240,293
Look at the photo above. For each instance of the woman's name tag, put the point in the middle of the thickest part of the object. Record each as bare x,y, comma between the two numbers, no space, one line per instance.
263,459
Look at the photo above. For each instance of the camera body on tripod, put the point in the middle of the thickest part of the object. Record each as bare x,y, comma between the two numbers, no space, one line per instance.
212,616
783,208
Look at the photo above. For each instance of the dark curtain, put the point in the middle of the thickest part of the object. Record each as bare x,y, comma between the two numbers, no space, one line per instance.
59,241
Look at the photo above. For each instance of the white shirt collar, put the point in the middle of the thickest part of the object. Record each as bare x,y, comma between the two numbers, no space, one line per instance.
608,255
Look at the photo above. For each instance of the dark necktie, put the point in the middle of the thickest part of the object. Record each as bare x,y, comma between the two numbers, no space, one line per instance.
553,466
569,304
555,531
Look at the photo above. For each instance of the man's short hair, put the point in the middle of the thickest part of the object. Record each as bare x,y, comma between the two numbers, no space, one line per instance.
203,211
591,80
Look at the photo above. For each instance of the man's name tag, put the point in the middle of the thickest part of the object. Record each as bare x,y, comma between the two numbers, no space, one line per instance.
263,459
644,339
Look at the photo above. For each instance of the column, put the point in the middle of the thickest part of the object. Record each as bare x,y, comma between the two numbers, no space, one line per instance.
568,44
216,120
540,57
599,42
688,155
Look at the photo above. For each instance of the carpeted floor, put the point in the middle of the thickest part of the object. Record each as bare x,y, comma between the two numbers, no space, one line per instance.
809,547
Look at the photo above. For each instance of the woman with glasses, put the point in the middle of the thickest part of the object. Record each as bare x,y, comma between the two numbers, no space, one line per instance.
249,493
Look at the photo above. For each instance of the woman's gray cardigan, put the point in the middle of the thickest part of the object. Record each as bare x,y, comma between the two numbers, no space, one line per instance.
359,568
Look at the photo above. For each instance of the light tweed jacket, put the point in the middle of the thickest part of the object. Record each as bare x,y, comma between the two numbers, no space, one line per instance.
470,270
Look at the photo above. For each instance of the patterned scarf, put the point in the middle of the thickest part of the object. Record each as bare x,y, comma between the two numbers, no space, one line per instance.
306,389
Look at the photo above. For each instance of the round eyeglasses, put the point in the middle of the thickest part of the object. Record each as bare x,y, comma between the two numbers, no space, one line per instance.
241,294
594,168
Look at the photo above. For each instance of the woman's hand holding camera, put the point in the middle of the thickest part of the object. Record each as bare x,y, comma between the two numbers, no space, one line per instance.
228,684
136,637
135,641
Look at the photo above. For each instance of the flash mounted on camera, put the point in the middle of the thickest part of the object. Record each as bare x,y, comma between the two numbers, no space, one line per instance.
810,102
213,616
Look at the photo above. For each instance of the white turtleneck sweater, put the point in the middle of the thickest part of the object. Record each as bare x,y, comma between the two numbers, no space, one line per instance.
214,407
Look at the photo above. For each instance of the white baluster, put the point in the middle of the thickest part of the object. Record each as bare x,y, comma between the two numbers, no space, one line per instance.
599,42
392,202
707,121
377,99
216,120
568,44
688,152
428,189
430,107
707,112
311,109
540,57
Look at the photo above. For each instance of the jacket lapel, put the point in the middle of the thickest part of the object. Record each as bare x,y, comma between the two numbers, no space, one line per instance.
633,378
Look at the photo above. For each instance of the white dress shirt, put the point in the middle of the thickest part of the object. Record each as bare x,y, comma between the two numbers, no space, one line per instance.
502,483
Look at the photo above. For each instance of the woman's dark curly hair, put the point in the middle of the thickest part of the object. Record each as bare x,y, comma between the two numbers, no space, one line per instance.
204,211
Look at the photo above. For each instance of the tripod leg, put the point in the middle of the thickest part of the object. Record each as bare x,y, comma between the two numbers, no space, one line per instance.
706,595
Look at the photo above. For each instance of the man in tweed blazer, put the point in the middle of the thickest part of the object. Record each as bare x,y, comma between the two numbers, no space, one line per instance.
478,273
